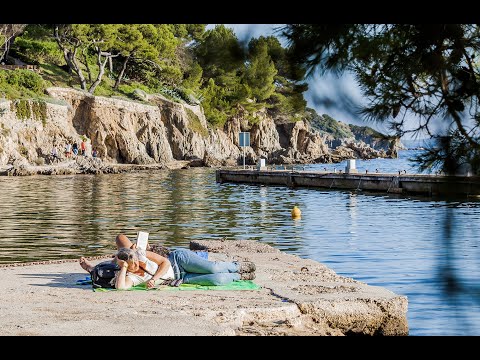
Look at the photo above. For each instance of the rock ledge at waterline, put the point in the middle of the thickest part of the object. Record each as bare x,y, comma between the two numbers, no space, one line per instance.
298,297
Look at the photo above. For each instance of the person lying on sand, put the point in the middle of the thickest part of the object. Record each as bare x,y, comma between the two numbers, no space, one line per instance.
140,266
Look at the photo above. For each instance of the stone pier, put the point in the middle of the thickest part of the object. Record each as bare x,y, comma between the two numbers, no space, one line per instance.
429,185
298,297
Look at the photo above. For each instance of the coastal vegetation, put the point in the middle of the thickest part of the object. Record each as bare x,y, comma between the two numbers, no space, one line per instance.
184,62
21,84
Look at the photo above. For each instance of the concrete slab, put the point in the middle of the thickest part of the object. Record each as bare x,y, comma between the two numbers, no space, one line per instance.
298,297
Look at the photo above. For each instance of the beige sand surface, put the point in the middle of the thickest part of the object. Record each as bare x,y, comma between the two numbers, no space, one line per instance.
298,297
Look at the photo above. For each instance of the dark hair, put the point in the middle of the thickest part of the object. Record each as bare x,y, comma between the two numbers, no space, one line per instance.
127,254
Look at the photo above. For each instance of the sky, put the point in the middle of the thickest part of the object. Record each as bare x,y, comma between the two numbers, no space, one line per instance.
327,93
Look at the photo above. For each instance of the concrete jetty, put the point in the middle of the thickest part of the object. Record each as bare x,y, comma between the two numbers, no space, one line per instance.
400,183
298,297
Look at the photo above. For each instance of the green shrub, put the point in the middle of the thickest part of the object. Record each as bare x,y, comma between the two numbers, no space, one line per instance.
38,50
215,105
19,83
126,89
137,85
215,117
252,119
27,79
187,96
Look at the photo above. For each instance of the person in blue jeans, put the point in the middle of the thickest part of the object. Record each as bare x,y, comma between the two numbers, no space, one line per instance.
138,266
194,269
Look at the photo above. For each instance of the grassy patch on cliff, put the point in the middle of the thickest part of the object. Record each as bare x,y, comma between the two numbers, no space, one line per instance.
21,108
26,109
39,111
195,123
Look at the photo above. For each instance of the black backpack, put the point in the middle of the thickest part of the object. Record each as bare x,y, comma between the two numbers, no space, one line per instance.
103,275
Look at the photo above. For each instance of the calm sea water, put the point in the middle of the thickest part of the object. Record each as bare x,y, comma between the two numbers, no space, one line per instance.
425,249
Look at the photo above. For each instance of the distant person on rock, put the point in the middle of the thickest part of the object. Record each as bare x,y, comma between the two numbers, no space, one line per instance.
94,153
54,152
83,147
68,150
75,149
182,266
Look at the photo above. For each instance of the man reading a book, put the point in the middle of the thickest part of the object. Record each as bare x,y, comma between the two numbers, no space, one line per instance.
182,265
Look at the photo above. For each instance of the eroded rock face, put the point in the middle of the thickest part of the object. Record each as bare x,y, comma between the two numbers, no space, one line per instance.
160,132
24,141
122,131
305,146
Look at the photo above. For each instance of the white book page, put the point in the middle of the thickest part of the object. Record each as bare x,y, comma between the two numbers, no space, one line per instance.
142,240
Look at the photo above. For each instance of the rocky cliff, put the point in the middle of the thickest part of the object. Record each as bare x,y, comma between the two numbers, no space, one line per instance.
352,141
158,132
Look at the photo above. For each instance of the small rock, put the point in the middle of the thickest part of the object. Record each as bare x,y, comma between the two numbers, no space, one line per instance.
140,95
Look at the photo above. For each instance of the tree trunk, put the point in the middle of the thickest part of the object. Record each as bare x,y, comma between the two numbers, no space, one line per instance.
101,70
4,52
77,69
10,44
120,75
70,57
10,32
6,47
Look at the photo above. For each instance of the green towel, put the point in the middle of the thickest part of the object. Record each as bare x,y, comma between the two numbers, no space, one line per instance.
235,285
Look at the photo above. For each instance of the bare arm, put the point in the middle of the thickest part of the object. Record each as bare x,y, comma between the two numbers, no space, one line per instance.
162,262
122,282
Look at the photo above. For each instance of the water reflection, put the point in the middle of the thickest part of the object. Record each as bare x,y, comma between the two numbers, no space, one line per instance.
384,240
352,211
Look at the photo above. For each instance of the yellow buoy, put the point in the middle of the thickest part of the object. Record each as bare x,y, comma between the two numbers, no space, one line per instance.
296,213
